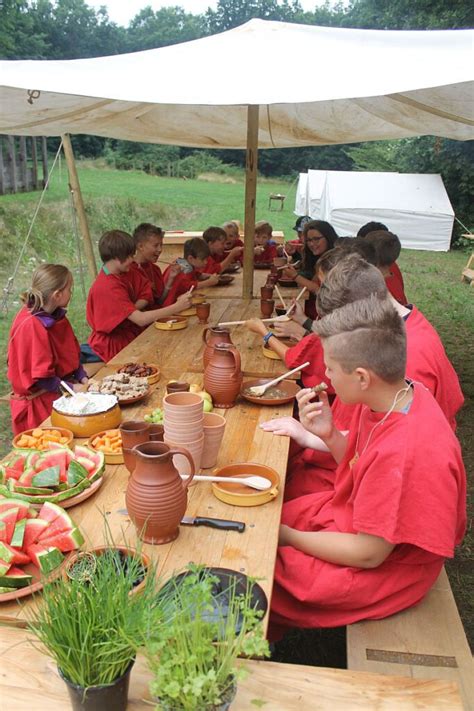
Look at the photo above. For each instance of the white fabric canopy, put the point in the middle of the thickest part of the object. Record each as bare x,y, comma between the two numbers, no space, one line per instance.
416,207
314,85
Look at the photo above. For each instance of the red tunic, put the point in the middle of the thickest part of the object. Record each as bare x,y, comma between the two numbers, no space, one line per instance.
309,349
110,302
152,273
213,264
34,352
408,487
395,284
427,363
267,256
182,283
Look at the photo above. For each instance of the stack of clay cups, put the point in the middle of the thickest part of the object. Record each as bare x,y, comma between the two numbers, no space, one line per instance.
183,420
214,426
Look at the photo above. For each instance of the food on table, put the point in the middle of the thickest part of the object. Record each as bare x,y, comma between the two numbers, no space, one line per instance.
55,475
274,393
197,390
27,536
155,416
140,370
123,386
319,388
39,438
87,404
110,442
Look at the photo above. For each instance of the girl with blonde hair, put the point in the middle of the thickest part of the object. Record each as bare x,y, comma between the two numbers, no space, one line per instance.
42,348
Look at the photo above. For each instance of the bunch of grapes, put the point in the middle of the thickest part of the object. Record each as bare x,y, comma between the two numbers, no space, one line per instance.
155,417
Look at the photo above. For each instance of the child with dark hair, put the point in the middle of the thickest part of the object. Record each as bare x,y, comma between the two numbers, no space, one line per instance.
265,249
118,297
148,240
195,256
376,544
387,248
371,227
218,261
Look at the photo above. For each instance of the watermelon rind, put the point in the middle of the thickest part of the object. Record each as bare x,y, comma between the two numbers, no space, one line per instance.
5,590
15,578
4,567
9,518
65,540
76,473
12,503
98,458
3,531
47,477
16,557
55,497
46,558
18,533
54,458
6,554
32,490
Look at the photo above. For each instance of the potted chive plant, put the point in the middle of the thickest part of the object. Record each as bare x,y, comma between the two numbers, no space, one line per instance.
193,650
91,625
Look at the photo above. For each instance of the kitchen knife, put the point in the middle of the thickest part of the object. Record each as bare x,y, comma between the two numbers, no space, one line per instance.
221,523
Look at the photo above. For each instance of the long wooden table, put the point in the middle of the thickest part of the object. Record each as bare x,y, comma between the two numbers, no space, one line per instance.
30,681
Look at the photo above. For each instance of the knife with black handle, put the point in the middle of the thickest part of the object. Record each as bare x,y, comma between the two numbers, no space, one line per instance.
220,523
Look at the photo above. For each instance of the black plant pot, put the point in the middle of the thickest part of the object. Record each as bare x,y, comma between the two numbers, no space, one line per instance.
112,697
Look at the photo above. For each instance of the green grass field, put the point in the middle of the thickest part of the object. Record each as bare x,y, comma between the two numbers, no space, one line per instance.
121,200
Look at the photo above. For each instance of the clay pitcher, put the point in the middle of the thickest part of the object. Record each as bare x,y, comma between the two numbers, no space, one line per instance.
156,496
223,376
211,336
133,432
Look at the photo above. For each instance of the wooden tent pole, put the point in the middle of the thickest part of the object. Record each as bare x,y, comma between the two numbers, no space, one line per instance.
75,189
250,198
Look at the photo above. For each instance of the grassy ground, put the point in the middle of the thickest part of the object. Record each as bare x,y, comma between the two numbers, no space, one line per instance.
123,199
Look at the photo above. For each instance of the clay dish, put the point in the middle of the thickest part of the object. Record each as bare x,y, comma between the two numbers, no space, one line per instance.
243,495
110,457
188,312
225,279
62,431
174,323
289,387
287,282
268,353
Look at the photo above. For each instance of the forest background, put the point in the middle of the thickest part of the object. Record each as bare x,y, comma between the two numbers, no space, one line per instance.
70,29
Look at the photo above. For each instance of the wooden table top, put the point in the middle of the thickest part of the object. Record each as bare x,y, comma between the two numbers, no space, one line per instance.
30,681
252,552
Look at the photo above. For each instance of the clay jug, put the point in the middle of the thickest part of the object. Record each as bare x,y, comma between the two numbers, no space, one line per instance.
211,336
156,496
223,376
133,432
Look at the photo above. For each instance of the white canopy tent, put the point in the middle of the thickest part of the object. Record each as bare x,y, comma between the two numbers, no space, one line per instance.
416,207
239,89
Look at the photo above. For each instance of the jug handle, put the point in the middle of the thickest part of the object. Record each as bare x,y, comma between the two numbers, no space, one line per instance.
204,334
236,356
185,453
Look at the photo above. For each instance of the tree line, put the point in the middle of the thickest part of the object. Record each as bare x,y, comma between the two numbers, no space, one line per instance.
71,29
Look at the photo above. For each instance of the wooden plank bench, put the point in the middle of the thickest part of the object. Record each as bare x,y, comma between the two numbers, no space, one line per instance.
424,642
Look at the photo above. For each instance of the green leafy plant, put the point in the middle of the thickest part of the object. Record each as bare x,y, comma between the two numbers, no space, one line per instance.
91,625
193,652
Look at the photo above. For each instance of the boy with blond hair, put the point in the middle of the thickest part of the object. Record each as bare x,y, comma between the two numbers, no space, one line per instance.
375,544
218,261
265,249
195,256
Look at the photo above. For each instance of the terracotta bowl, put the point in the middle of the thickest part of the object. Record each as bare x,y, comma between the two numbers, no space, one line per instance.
62,431
110,457
100,550
174,323
87,425
176,386
225,279
153,377
236,495
198,298
183,402
287,282
289,387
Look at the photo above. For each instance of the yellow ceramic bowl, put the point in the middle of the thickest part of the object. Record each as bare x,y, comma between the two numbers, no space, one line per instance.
65,433
198,299
268,353
174,323
87,425
243,495
188,312
110,457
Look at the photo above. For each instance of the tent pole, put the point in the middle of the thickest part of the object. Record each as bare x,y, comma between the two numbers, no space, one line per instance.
75,189
250,198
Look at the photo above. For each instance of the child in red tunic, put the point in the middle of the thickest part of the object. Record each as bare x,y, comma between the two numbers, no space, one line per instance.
376,544
231,230
148,240
218,261
42,348
388,250
265,249
119,296
196,255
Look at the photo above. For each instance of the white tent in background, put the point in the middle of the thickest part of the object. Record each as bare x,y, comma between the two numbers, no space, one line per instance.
416,207
239,89
301,206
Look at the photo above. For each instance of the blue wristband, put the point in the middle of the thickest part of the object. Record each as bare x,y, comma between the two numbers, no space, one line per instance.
267,337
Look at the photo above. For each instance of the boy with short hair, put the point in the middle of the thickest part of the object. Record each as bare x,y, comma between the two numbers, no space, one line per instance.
376,544
148,240
195,256
118,297
265,249
218,262
388,250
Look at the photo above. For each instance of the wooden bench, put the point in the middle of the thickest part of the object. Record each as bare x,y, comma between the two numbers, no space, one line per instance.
424,642
467,273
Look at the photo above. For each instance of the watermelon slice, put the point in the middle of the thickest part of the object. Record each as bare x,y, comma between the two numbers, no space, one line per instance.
7,504
76,473
13,557
47,477
26,478
97,458
49,512
65,540
54,458
32,459
6,553
4,567
88,464
18,533
11,473
46,558
9,518
61,523
33,530
15,578
16,460
3,532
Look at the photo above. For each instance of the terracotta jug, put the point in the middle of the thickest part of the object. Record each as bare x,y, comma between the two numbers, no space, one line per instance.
211,336
223,376
156,496
133,432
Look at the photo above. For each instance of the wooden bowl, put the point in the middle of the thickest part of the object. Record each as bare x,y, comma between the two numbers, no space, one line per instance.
63,432
289,387
236,495
110,457
87,425
287,282
268,353
174,323
188,312
225,279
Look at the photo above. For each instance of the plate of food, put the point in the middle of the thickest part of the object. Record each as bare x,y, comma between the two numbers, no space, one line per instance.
39,438
126,388
279,394
109,442
34,548
176,323
58,476
239,494
188,312
232,268
150,371
262,265
283,281
225,279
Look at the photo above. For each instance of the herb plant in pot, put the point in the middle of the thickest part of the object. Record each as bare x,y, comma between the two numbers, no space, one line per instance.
92,626
193,650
